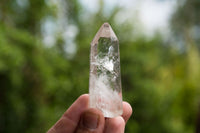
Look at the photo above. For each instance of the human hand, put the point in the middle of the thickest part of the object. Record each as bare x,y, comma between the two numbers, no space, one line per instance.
79,118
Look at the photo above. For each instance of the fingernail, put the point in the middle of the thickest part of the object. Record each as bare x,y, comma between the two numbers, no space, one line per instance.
90,120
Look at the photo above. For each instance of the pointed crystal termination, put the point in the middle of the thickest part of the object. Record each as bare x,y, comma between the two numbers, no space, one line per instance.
105,78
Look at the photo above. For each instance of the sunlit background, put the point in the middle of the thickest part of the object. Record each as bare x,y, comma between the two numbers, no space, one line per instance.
44,61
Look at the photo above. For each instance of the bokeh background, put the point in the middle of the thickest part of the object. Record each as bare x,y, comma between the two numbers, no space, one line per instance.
44,60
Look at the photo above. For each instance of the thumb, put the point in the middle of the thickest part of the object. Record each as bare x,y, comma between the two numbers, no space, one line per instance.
91,121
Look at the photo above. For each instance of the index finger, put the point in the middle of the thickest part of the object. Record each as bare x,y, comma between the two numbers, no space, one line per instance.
70,119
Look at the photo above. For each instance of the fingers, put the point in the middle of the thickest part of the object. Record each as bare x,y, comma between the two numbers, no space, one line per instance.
83,120
117,124
114,125
92,121
127,111
70,119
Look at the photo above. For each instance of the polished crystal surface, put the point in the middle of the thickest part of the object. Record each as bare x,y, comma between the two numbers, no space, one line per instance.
105,78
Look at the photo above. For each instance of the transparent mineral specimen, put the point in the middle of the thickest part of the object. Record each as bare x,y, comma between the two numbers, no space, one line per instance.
105,78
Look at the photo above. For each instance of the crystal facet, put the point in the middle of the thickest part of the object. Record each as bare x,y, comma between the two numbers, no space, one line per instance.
105,78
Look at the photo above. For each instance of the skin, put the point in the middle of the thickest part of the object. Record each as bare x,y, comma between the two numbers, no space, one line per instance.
79,118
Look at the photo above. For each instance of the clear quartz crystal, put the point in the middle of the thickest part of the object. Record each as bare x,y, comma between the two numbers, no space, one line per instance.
105,78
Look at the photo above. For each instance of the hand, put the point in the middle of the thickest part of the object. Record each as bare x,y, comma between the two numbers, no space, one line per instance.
79,118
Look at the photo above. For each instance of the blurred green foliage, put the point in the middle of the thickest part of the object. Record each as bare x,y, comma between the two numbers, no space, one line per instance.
39,82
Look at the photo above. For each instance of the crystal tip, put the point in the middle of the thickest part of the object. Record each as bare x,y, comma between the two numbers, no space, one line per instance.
105,31
106,24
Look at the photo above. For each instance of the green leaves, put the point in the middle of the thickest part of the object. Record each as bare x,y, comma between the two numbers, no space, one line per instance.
38,83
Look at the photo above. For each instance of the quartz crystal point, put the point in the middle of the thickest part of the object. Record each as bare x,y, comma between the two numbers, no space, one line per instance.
105,78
